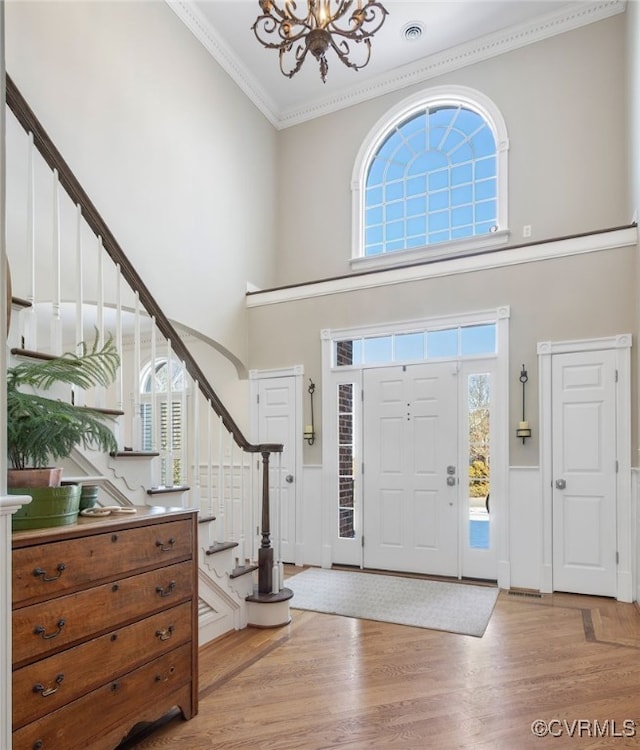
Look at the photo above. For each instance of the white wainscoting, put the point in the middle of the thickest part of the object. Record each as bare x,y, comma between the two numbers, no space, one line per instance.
311,543
525,528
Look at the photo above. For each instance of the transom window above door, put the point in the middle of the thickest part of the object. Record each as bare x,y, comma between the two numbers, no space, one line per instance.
417,346
431,179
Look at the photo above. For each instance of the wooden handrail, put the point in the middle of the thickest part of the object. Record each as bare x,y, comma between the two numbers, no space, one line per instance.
28,120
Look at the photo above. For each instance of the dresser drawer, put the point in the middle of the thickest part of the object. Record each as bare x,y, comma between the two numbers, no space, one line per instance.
158,684
47,570
50,683
47,627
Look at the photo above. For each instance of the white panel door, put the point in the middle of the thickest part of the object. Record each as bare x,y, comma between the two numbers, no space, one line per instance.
277,424
584,472
410,430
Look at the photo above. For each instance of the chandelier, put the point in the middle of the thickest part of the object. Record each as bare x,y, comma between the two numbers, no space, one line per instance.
327,23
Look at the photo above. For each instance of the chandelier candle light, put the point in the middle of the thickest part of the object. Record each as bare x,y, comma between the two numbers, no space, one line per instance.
344,25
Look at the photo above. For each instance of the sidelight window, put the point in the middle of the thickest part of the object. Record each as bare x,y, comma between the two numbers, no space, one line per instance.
479,472
346,460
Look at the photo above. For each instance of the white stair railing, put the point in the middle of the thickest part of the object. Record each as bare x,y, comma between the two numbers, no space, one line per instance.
105,295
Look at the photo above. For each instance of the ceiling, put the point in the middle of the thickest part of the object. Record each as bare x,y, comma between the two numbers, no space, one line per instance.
455,33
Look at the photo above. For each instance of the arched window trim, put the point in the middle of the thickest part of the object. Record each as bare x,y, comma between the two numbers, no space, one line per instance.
441,95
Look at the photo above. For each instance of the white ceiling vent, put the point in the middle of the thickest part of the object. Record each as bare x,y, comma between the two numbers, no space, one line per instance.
412,31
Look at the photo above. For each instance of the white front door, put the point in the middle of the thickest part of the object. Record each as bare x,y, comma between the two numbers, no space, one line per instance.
584,472
277,424
410,431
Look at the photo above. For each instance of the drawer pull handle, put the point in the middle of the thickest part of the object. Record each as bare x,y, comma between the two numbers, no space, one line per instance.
41,630
44,692
166,591
42,574
38,745
166,547
115,686
165,633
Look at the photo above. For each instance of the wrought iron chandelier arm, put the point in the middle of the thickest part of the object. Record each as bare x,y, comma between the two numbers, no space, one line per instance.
265,26
299,55
373,12
270,7
342,48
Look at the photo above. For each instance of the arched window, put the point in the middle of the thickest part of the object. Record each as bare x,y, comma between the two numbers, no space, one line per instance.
162,398
430,179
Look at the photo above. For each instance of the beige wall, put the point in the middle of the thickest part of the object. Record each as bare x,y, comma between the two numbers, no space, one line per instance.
584,296
563,101
171,152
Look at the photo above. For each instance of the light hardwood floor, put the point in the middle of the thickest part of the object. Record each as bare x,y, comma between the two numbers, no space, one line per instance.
336,682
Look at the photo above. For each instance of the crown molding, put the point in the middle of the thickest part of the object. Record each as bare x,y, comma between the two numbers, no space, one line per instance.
225,57
483,48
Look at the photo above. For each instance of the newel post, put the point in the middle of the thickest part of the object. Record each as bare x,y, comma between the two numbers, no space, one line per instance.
265,553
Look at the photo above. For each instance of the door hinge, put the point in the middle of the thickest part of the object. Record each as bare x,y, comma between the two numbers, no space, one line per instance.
363,467
362,540
616,376
617,466
257,398
617,558
362,395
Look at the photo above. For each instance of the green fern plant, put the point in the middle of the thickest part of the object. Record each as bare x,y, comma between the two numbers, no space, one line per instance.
39,428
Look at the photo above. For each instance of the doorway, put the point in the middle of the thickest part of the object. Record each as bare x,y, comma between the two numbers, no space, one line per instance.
387,483
410,450
585,441
427,469
277,397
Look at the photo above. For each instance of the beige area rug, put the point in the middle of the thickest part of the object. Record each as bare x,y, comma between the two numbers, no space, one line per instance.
438,605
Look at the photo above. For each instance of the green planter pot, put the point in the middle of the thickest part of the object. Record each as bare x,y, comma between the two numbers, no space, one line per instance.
88,495
49,506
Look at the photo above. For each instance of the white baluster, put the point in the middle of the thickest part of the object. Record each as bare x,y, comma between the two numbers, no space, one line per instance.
209,470
243,510
78,393
277,527
56,321
195,453
119,378
136,432
119,381
184,421
154,417
232,485
254,470
221,522
29,317
168,461
100,391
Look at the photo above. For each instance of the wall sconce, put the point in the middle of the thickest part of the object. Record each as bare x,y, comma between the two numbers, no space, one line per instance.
523,431
309,429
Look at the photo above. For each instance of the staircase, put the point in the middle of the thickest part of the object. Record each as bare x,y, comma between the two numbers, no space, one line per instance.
178,444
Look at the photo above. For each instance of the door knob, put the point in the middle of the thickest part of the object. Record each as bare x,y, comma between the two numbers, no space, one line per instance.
451,481
289,479
560,484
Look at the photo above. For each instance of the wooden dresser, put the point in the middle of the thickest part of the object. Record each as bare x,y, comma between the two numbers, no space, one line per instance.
104,628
